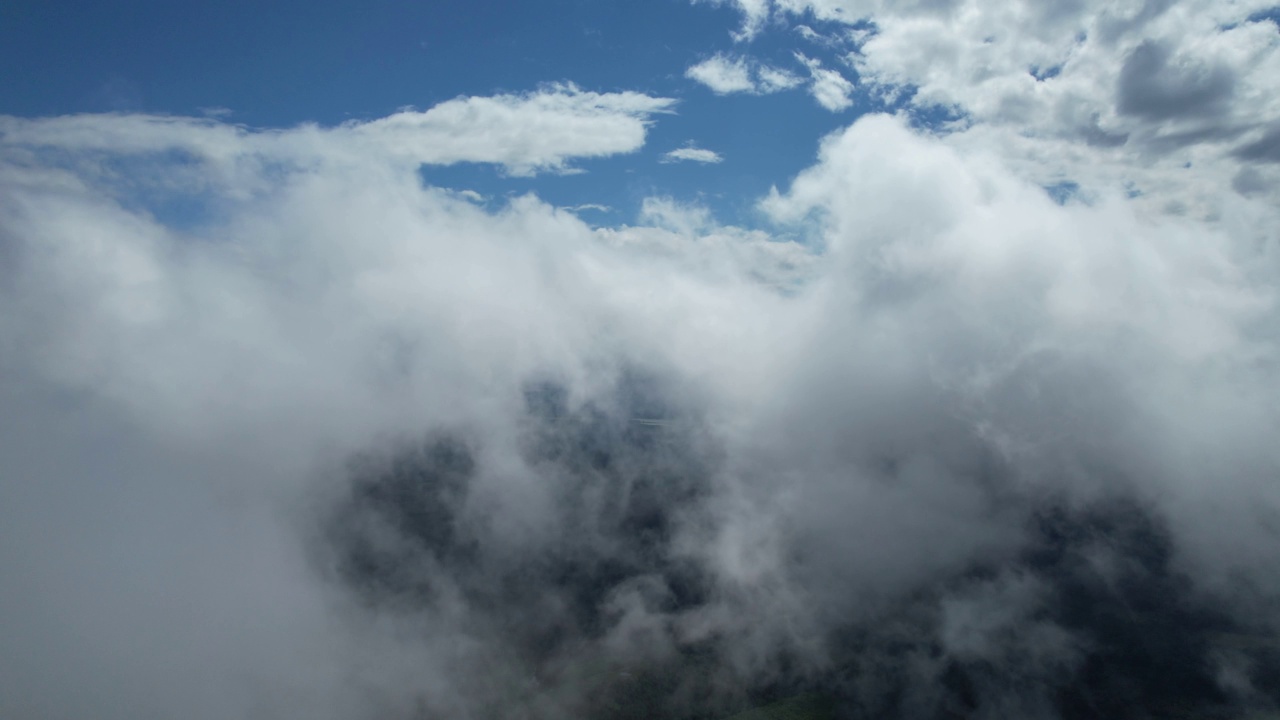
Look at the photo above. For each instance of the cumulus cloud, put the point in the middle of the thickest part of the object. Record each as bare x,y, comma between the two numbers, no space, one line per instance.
693,154
726,74
1116,93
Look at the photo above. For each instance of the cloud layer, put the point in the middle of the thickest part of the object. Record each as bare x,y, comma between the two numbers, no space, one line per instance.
289,433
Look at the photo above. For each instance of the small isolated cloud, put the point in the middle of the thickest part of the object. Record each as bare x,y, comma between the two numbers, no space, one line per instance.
809,33
726,74
831,89
694,154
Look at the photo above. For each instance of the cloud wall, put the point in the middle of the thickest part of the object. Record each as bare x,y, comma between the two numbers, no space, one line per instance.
336,444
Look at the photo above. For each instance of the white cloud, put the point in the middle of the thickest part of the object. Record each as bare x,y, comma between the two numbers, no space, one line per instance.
213,379
694,154
831,89
726,74
723,74
957,350
771,79
809,33
1104,93
526,134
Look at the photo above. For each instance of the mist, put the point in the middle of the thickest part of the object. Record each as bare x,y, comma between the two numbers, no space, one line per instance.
334,443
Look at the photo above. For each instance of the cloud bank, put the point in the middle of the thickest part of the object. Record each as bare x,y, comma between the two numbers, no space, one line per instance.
288,433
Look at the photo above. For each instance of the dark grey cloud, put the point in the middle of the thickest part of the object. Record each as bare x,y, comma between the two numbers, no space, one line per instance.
1264,149
1153,87
1248,182
1084,614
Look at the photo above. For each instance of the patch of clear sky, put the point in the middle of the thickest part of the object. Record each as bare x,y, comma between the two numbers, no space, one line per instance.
284,62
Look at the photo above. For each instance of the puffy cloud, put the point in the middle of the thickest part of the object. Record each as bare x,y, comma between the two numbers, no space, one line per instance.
726,74
723,74
693,154
1120,95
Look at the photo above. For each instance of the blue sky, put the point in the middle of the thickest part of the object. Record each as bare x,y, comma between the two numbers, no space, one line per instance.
278,64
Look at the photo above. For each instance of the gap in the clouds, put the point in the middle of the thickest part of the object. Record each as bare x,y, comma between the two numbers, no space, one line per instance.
1063,192
333,61
1269,15
937,119
764,141
1042,74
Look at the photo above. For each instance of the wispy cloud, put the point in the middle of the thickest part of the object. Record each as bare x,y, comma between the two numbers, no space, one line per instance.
528,133
692,154
831,89
755,13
